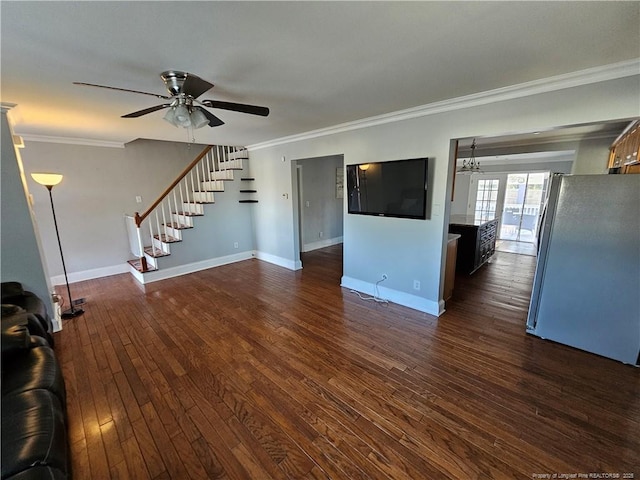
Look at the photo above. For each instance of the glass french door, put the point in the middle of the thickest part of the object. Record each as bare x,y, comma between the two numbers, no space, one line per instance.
524,197
486,199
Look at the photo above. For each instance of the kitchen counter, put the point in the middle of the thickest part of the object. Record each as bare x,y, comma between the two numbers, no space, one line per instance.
467,220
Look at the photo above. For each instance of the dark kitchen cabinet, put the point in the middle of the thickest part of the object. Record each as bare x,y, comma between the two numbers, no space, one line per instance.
477,241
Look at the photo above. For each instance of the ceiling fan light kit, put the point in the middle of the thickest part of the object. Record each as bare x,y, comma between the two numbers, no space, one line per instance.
184,89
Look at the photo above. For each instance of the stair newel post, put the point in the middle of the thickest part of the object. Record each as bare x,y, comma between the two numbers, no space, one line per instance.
143,260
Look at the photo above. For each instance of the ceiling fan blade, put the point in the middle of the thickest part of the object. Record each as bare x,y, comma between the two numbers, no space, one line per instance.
121,89
213,120
237,107
195,86
139,113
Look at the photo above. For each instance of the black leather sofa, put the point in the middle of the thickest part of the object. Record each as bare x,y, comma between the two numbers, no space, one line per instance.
14,294
34,426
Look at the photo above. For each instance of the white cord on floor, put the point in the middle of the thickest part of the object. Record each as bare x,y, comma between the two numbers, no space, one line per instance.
376,297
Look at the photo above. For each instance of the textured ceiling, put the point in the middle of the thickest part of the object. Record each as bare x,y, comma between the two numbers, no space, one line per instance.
315,64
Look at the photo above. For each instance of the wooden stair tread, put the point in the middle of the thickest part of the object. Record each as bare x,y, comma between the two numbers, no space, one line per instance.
248,191
247,179
177,226
137,264
247,201
189,214
164,238
155,252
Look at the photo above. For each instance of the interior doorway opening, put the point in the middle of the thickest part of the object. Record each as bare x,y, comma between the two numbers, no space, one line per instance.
525,195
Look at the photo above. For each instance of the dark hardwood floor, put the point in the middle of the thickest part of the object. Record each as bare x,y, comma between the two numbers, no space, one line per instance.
253,371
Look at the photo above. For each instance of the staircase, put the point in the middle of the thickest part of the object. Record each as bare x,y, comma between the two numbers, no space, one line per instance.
152,233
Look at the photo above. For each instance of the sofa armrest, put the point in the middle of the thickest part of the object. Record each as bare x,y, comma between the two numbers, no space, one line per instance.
15,339
11,289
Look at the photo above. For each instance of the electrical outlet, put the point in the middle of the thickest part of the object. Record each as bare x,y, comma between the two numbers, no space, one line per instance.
384,276
235,244
321,234
416,284
138,199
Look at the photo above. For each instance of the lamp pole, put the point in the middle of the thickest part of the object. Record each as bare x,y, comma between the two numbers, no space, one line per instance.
72,312
49,180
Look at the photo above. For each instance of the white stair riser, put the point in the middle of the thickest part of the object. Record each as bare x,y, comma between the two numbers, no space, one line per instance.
222,175
238,155
235,164
151,261
193,208
203,197
161,245
172,232
214,186
182,220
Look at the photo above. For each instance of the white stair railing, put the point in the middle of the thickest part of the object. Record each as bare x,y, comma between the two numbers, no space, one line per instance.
151,232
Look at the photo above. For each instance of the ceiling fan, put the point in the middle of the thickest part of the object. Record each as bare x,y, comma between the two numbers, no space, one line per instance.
184,108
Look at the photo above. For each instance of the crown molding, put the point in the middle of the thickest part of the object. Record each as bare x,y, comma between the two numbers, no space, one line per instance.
588,76
72,141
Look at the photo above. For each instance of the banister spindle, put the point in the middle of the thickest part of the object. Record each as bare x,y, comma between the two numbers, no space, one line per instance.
209,155
181,199
175,207
159,232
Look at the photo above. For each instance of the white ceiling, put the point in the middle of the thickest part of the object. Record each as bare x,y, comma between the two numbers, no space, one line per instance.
315,64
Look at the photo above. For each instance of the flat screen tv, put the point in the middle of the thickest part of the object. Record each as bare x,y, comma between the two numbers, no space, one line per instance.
388,189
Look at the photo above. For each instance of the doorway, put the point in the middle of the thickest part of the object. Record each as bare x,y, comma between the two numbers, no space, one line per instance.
318,203
525,194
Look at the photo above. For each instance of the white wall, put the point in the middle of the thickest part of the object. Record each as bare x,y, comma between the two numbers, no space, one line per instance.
21,257
408,250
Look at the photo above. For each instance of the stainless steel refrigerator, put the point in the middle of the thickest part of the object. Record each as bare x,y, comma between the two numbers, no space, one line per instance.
586,291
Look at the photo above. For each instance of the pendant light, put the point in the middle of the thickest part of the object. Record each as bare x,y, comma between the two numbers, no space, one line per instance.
471,165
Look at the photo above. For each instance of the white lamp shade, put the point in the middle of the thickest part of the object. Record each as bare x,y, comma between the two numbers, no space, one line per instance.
47,179
198,119
181,116
170,117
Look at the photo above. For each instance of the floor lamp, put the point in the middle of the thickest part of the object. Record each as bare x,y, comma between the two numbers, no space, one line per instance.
50,180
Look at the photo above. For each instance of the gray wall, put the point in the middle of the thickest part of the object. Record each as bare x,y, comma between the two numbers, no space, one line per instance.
322,217
592,156
404,249
21,259
225,223
99,187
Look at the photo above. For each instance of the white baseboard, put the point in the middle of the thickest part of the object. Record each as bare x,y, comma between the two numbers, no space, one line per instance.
307,247
283,262
179,270
90,274
171,272
401,298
